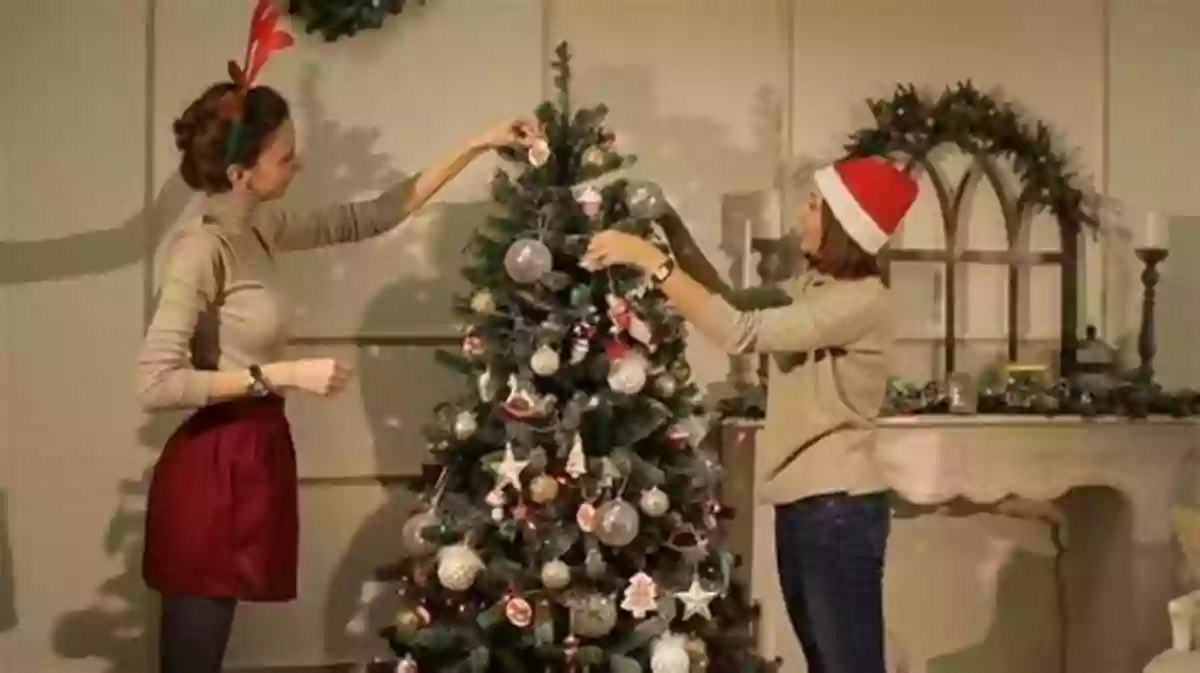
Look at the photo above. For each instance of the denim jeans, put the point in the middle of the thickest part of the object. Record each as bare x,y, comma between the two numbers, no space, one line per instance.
830,550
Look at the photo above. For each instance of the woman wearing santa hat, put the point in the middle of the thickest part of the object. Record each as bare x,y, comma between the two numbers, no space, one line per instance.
828,381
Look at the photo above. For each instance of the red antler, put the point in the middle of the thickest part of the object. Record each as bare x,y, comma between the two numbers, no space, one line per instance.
265,39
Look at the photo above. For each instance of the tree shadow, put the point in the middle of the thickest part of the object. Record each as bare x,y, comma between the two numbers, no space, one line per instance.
118,626
400,386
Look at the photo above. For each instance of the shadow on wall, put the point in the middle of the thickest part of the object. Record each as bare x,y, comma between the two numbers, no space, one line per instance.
118,626
400,387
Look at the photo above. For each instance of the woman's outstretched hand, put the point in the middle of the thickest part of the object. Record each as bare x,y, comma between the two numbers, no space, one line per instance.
510,133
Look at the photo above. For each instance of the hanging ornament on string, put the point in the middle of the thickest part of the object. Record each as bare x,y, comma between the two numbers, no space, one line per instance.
527,260
654,502
577,459
581,341
627,369
646,200
413,532
617,523
483,302
555,575
473,346
696,600
458,566
641,596
465,425
545,361
669,654
589,201
625,321
518,612
508,470
539,152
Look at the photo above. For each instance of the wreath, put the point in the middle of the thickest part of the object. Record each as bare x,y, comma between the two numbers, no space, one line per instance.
335,19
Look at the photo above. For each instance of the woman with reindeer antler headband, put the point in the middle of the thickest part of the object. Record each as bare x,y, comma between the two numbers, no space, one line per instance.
222,517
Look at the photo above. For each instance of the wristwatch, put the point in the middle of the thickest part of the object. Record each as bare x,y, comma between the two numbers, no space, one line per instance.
259,387
663,272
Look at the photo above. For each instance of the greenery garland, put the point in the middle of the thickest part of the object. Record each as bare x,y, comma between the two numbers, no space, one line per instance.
335,19
912,124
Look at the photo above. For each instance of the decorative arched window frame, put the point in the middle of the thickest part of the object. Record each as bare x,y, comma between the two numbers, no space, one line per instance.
909,127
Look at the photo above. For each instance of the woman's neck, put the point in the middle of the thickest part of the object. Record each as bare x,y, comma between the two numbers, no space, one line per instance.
231,209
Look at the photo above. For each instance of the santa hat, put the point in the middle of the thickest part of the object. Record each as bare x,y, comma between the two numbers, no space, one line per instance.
869,197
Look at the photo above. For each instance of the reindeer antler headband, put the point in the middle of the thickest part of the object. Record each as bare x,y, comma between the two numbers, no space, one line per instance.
265,39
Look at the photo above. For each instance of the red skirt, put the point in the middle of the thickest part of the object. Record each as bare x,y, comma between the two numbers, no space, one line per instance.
222,518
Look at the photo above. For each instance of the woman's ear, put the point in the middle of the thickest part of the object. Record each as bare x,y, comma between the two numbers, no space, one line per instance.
236,173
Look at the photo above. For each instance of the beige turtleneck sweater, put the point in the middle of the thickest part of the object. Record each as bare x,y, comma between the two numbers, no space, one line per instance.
218,307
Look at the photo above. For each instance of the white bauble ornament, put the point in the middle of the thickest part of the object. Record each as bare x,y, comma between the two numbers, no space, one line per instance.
669,654
666,385
654,502
483,302
465,425
556,575
414,542
539,152
458,566
628,374
545,361
617,523
527,260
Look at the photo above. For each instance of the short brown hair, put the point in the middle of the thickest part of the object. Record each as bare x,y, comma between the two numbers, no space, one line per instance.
203,136
839,255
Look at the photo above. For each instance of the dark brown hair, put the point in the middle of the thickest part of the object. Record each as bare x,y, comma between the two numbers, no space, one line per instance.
839,255
203,136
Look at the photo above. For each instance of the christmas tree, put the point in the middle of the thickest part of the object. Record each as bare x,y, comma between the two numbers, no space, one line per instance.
572,519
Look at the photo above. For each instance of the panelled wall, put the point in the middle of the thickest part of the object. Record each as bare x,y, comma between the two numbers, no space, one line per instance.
710,94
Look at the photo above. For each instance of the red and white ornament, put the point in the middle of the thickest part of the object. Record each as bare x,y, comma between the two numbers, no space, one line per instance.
585,517
518,612
628,371
473,346
590,201
624,320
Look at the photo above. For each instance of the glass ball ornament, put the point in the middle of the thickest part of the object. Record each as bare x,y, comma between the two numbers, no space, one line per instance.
465,425
556,575
646,200
654,502
527,260
594,616
628,374
617,523
666,385
543,489
411,534
545,361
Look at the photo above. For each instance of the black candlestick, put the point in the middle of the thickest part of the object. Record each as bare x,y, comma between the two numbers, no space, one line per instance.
1151,257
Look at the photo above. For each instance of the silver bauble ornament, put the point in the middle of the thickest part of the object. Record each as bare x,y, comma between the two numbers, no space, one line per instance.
666,385
654,502
414,542
594,616
545,361
646,200
458,566
556,575
628,375
527,260
617,523
594,564
465,424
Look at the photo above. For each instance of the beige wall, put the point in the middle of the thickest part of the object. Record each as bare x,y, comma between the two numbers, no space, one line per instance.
700,90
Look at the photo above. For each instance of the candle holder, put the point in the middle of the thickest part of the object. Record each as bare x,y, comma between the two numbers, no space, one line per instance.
1151,258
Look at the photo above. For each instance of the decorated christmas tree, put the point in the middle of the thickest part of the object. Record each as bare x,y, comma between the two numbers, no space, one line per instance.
572,519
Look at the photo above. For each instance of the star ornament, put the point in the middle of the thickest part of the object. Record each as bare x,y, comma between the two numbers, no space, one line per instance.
508,471
696,600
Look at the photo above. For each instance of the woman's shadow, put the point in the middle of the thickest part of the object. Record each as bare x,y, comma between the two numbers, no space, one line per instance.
400,386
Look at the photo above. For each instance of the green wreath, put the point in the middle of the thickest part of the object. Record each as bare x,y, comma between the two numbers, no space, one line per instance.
335,19
914,125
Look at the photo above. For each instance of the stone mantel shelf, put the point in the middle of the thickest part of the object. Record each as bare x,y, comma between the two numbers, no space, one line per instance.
934,459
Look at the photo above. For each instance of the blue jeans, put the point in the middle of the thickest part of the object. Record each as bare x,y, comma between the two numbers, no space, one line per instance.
830,551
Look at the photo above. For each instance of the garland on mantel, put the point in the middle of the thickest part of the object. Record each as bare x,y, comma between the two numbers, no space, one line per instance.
335,19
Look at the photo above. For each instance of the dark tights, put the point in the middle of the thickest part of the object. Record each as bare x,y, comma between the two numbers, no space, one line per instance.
194,631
